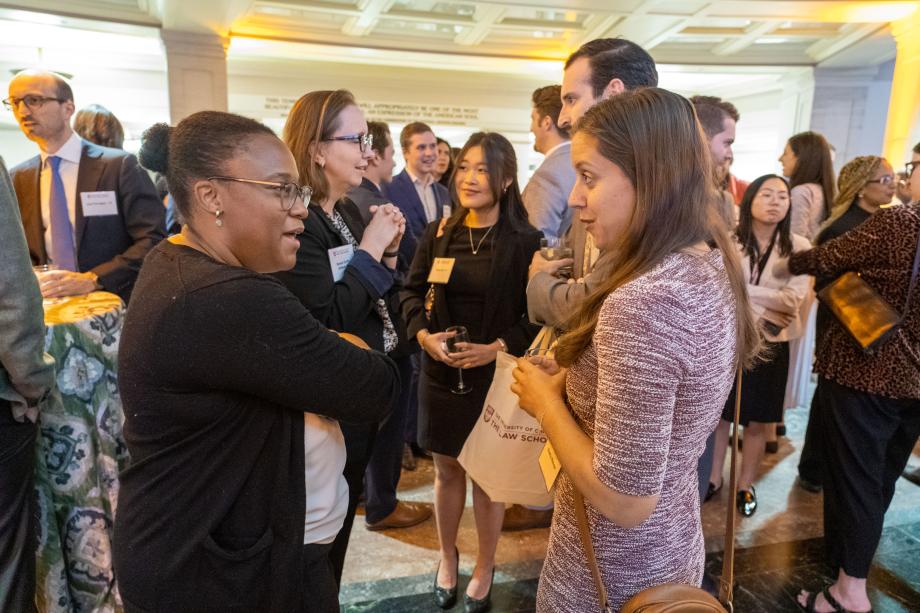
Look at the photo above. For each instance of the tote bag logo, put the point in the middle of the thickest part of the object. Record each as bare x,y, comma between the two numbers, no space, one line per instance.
487,414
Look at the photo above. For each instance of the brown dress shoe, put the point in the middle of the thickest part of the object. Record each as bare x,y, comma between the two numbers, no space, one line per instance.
518,517
404,515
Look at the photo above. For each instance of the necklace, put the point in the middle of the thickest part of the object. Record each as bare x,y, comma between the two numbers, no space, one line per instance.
479,246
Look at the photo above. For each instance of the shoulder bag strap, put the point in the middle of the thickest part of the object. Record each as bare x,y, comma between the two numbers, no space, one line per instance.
584,532
726,596
728,563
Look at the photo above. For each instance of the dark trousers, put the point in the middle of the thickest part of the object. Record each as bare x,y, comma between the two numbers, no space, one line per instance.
869,439
359,441
811,461
383,470
17,512
320,588
410,435
704,466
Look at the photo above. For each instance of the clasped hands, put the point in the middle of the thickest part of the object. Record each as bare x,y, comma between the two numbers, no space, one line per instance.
385,230
63,283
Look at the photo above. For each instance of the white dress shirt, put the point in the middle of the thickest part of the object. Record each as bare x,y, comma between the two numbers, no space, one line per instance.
69,153
425,189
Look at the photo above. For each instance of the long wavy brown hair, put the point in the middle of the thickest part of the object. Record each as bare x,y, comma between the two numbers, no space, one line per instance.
653,135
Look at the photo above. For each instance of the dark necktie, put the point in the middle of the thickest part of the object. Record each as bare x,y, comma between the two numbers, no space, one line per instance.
63,252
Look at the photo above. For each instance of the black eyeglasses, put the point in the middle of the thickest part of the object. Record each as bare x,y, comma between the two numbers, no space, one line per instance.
289,192
886,180
365,141
910,167
32,102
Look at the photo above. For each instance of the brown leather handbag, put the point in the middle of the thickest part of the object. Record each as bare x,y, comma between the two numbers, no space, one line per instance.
674,597
868,318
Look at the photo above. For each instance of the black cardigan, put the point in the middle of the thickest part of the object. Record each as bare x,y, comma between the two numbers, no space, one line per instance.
348,305
216,366
506,301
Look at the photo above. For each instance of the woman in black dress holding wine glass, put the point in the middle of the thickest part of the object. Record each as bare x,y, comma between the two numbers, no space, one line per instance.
464,301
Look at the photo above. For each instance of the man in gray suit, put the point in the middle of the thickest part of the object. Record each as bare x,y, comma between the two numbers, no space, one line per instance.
598,70
26,376
546,196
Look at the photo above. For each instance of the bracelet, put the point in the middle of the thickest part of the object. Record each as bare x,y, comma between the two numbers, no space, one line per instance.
504,345
422,341
390,254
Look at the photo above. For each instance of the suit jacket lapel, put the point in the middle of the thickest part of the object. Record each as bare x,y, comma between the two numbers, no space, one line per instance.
28,182
411,195
88,175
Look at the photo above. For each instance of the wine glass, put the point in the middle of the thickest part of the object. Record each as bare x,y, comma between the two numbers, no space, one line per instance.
460,335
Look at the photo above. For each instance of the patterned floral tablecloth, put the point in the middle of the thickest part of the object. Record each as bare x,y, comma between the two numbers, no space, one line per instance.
81,453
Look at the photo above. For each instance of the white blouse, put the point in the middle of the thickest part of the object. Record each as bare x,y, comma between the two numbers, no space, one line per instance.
327,490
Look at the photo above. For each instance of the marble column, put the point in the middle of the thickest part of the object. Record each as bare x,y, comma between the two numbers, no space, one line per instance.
197,72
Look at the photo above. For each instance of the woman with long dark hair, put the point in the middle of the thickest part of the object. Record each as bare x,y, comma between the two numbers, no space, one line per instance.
807,163
650,357
487,245
763,237
444,166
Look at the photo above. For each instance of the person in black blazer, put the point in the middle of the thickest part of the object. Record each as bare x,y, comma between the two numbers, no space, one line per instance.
490,243
346,276
111,242
218,368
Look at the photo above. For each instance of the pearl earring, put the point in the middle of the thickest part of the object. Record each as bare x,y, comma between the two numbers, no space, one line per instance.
219,221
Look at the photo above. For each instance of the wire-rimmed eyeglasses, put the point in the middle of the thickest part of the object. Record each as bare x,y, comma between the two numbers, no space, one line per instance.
365,141
289,192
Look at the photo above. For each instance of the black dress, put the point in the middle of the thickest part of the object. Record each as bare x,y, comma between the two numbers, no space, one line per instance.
445,419
763,388
486,293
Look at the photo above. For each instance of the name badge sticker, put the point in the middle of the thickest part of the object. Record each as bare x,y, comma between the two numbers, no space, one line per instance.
339,257
99,204
549,465
440,270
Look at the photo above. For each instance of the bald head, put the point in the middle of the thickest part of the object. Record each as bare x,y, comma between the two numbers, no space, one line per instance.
42,103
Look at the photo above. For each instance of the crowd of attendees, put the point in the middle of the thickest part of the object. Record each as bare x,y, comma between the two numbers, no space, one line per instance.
302,323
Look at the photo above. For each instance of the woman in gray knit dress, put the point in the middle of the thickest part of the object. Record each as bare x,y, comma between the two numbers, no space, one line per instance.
650,356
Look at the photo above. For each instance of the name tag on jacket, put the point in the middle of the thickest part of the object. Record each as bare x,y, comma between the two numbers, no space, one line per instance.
99,204
339,257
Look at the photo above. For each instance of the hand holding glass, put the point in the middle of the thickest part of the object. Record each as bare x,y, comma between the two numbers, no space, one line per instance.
557,249
459,335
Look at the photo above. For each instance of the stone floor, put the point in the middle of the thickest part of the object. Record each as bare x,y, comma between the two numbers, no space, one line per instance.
780,548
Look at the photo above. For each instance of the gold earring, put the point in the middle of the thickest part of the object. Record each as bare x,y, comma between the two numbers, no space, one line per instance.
219,221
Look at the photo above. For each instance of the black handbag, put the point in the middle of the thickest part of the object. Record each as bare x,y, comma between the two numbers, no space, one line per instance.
860,309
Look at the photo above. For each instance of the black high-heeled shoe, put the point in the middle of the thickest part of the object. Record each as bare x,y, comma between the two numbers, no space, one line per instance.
447,597
473,605
711,491
746,500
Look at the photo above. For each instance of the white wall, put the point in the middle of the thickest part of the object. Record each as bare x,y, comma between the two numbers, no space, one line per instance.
851,109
